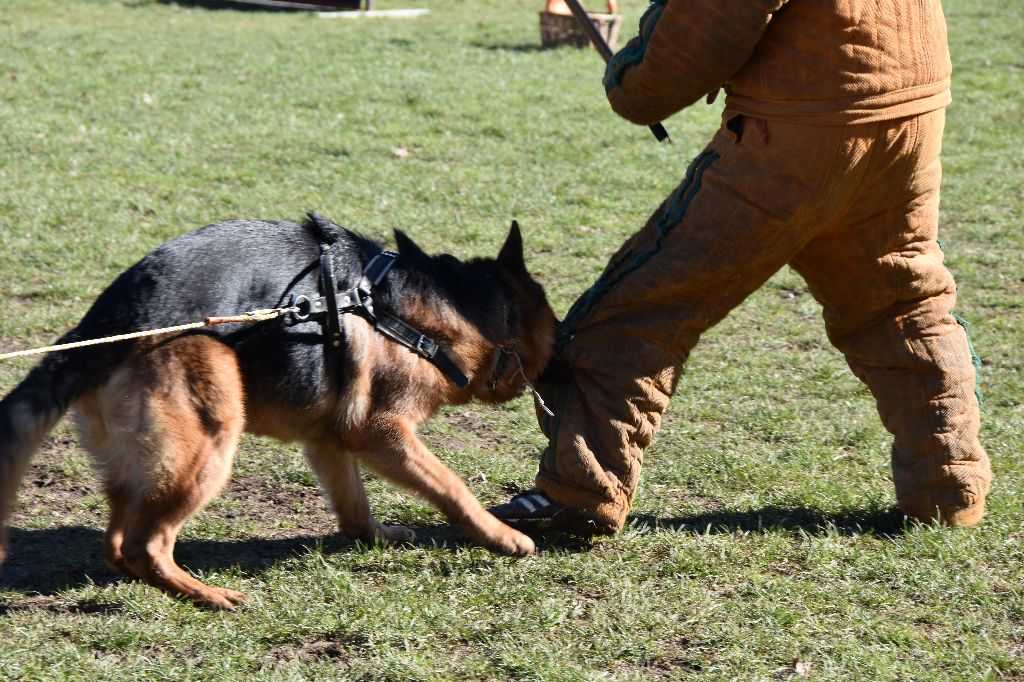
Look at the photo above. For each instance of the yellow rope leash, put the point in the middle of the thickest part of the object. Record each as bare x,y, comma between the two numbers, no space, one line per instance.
251,317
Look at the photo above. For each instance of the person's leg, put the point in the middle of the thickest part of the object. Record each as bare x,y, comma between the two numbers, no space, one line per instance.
887,305
744,209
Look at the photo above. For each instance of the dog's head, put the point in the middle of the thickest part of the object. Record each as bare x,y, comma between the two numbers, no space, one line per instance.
525,348
515,325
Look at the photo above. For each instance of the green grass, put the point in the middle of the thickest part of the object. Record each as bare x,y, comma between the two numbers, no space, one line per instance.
764,531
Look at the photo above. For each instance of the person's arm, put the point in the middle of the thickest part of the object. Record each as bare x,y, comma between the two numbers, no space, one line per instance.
686,49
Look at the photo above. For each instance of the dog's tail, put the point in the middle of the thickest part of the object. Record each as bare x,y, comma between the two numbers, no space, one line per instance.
35,406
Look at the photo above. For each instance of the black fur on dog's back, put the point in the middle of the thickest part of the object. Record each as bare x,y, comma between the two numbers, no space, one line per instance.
230,267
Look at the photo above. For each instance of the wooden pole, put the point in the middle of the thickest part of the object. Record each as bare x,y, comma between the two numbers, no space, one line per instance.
605,50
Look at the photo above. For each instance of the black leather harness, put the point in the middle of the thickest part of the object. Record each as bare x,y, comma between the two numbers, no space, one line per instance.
329,307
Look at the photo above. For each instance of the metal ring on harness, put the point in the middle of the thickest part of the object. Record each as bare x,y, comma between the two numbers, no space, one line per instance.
303,307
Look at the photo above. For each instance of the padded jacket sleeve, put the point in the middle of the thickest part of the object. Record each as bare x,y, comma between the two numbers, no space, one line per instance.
685,49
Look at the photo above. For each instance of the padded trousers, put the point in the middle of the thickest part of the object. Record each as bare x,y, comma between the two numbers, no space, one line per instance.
854,210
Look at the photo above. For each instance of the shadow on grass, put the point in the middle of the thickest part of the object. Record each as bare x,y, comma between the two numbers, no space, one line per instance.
514,47
49,560
450,538
882,522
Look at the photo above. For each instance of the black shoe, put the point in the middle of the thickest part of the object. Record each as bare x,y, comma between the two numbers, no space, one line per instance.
531,510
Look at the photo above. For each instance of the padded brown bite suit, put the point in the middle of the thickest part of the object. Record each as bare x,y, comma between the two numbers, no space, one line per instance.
827,160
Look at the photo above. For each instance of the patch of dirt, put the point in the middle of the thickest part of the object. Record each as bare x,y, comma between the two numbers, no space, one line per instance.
670,665
10,345
469,422
51,487
469,429
24,300
284,511
338,646
318,648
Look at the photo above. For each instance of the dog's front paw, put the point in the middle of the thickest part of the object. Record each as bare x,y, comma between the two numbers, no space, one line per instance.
512,543
232,598
217,598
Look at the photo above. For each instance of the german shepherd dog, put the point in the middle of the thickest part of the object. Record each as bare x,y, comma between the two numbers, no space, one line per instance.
162,416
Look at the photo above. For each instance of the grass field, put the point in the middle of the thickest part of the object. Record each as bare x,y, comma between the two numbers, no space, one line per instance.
764,544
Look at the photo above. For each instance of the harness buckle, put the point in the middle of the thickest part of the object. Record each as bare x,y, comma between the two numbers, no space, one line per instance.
361,299
425,346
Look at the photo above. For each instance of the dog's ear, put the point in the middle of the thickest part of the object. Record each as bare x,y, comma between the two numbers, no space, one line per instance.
511,254
407,247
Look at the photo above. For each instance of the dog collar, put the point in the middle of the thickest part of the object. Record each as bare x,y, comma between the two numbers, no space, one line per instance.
505,353
510,351
327,309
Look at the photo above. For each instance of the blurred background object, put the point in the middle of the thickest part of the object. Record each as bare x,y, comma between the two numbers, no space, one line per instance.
559,27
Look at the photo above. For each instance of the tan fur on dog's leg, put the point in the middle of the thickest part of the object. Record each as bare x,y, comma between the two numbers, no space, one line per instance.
113,539
338,473
398,454
163,431
148,552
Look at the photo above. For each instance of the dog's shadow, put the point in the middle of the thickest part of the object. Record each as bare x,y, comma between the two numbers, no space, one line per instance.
47,561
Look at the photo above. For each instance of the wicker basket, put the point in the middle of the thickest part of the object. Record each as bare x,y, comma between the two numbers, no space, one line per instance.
563,29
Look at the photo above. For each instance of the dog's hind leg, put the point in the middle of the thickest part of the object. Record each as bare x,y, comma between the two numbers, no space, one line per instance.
337,470
148,552
393,449
164,431
113,539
